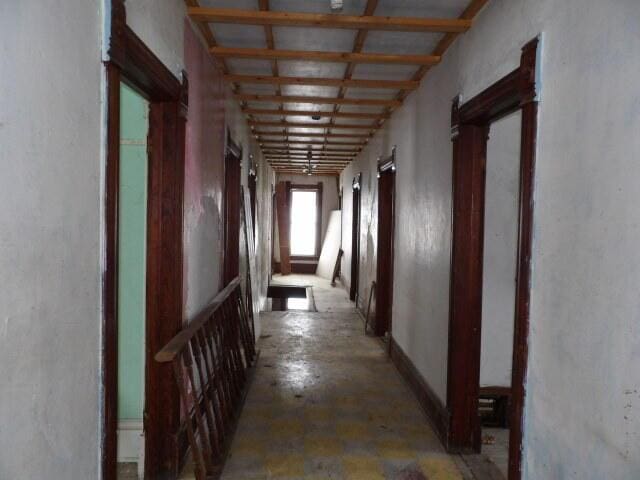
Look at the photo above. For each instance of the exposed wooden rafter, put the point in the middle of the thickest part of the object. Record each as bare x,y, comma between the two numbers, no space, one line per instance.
258,123
451,28
310,142
318,100
317,56
291,19
337,151
313,113
325,82
311,135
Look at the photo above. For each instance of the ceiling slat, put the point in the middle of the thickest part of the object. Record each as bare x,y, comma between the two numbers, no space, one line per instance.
318,56
336,151
312,113
325,82
258,123
311,142
247,97
311,135
291,19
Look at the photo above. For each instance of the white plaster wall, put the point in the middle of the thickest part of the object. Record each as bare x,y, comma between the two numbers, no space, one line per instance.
500,248
582,409
160,25
50,196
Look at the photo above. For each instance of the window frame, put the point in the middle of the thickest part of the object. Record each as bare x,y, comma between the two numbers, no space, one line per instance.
314,188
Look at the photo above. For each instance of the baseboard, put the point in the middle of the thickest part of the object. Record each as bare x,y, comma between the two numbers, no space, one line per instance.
130,441
431,404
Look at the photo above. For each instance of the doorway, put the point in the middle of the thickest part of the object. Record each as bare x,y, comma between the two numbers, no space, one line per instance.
355,239
155,237
499,286
486,230
232,204
386,224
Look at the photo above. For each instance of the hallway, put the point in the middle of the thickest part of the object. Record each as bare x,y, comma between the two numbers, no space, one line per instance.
327,403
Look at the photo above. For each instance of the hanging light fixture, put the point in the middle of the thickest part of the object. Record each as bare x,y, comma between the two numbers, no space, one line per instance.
336,5
308,169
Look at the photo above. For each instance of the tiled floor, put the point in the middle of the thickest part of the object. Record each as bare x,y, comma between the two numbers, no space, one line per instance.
326,403
498,451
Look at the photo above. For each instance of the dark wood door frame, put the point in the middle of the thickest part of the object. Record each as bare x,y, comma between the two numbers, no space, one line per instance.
232,204
253,185
132,62
355,238
386,224
470,126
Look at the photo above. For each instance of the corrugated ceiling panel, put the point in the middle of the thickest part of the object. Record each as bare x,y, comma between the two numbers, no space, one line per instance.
241,66
421,8
239,36
384,72
351,7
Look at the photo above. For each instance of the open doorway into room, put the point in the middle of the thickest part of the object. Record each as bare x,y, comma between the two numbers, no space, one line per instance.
492,219
232,204
305,207
355,239
499,286
386,224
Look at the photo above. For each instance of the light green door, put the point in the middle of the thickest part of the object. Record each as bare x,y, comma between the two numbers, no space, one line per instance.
132,251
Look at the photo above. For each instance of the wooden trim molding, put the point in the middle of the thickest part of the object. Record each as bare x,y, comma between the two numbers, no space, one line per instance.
429,401
356,182
388,163
470,125
385,253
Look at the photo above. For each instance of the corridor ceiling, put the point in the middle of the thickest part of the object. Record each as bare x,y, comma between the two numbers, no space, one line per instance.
310,79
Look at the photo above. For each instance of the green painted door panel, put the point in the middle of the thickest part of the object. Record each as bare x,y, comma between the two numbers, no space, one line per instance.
132,250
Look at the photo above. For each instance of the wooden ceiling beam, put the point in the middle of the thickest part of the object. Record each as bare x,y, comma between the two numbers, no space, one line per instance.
445,42
311,142
291,171
318,56
301,157
325,82
312,113
258,123
336,151
303,154
298,161
291,19
312,135
246,97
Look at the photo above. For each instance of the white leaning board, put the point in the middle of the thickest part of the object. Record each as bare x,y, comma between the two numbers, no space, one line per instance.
330,246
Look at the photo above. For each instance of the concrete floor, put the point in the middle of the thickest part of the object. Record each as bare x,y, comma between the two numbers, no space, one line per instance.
327,403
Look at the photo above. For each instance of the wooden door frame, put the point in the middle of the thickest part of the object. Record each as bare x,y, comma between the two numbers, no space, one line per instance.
470,125
384,266
231,263
252,183
132,62
355,238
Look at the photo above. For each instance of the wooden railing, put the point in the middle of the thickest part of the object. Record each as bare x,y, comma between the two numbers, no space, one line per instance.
211,358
